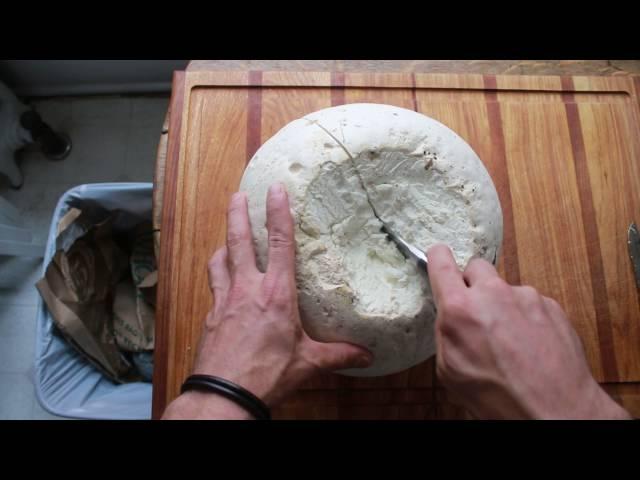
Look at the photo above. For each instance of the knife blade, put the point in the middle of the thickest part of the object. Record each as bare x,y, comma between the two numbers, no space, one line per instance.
633,243
408,250
413,253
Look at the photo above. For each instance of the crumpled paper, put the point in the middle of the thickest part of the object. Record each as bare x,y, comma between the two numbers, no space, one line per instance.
100,289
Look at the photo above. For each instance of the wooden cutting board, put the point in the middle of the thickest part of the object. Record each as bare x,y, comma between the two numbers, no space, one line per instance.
562,151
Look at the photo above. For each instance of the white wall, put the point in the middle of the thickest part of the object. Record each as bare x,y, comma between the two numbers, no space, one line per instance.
34,78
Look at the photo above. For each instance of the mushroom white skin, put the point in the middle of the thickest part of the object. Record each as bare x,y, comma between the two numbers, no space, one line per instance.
347,167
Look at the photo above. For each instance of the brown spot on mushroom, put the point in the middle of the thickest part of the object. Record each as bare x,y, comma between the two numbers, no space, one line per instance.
295,167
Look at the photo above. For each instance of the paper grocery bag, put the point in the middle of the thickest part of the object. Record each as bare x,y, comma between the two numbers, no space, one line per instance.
78,289
134,331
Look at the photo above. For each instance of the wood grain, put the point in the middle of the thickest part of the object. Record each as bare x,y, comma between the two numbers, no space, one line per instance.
560,150
466,67
165,322
596,269
215,156
549,227
611,169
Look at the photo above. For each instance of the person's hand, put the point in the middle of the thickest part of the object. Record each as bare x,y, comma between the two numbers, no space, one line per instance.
506,351
253,336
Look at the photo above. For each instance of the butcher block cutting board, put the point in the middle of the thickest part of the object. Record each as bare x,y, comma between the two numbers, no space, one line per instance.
563,152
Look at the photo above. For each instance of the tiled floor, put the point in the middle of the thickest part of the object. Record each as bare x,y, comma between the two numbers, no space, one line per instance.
114,140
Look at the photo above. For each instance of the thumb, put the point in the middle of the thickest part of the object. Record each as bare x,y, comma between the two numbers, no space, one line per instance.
339,355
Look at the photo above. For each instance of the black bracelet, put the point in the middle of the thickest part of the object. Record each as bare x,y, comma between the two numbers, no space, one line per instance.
229,390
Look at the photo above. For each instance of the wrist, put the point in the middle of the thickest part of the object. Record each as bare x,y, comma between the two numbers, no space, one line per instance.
195,405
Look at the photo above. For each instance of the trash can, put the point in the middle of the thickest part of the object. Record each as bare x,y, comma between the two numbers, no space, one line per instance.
66,384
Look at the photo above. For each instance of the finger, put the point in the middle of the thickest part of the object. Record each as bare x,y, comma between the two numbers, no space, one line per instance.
444,275
557,314
338,355
219,279
553,307
218,271
241,257
478,270
532,305
281,237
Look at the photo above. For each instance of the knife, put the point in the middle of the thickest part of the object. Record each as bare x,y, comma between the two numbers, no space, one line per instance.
413,253
409,251
633,242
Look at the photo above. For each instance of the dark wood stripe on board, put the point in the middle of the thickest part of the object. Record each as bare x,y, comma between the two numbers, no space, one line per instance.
501,179
414,98
592,237
254,114
337,88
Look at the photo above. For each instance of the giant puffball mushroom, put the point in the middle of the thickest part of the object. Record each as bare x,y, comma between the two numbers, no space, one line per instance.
347,167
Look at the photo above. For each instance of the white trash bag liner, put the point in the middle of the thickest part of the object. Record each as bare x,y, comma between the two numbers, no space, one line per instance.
66,384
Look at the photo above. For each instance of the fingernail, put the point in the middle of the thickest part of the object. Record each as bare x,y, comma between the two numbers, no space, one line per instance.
276,189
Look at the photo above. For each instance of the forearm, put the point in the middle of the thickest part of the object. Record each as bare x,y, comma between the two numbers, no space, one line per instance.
195,405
